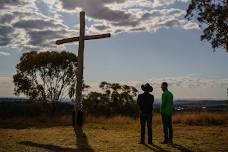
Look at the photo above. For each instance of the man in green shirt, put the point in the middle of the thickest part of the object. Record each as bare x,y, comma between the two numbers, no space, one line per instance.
166,112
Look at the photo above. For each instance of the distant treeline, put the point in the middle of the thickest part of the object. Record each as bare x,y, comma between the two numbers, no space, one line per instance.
94,108
30,113
33,109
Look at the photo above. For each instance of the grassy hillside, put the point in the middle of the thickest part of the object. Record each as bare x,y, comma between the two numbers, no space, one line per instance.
118,134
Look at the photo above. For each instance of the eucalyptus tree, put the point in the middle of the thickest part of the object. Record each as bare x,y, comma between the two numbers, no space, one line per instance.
46,76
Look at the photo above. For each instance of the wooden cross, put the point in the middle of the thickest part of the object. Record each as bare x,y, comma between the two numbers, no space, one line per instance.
81,40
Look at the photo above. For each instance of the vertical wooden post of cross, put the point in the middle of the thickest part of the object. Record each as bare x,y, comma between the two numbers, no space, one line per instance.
79,85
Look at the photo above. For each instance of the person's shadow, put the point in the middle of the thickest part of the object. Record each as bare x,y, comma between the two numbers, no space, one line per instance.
181,148
81,143
156,148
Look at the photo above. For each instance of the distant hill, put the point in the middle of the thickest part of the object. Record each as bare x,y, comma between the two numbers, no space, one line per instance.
198,105
12,99
22,99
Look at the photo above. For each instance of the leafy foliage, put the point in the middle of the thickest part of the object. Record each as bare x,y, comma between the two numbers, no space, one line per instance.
46,75
114,99
213,16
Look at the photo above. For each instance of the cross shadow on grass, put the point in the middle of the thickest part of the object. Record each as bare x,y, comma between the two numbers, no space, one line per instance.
81,143
48,146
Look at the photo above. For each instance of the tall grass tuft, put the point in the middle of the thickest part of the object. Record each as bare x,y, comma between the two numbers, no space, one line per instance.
191,118
110,120
203,118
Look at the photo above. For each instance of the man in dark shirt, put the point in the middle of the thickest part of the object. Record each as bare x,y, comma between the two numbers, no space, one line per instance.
145,102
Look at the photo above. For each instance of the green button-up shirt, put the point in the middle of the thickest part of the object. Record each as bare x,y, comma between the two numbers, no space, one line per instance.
167,103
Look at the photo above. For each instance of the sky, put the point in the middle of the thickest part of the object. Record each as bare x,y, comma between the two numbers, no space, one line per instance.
151,42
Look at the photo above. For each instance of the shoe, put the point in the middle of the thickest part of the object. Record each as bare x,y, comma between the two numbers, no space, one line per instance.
170,141
150,143
164,142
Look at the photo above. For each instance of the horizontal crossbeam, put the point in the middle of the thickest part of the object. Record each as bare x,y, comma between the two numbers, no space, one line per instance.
89,37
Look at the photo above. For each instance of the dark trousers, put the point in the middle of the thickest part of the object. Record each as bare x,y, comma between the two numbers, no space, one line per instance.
146,119
167,127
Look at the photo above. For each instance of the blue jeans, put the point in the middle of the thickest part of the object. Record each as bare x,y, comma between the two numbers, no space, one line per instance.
146,119
167,127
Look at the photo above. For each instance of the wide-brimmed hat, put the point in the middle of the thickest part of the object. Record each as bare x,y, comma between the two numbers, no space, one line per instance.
147,87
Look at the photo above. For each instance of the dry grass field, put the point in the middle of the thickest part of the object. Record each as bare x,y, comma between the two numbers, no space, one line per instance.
192,132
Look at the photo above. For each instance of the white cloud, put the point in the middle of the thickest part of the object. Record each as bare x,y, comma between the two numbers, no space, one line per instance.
158,3
117,16
27,29
189,86
146,4
146,21
30,28
6,85
4,53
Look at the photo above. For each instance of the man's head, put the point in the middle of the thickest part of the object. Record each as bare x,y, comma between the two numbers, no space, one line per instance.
147,87
164,86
